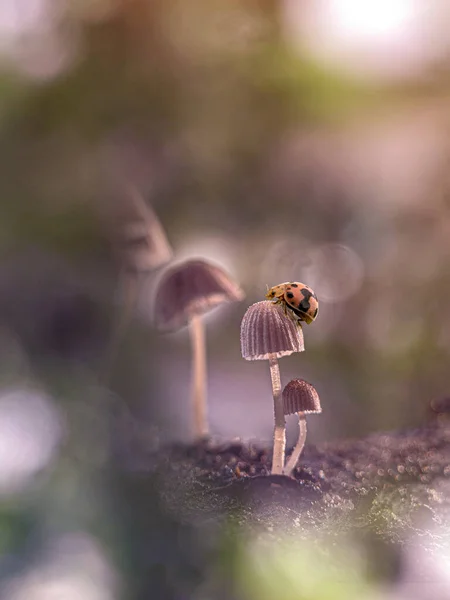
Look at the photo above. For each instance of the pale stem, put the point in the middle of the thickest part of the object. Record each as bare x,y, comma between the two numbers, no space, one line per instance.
197,332
279,434
296,452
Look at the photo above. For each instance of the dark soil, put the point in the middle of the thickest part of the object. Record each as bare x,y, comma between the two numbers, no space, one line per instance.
392,482
348,467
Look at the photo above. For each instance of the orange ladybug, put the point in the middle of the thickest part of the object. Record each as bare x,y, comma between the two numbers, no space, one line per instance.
298,297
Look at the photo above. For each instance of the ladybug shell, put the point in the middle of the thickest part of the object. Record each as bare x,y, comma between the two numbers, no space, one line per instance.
299,297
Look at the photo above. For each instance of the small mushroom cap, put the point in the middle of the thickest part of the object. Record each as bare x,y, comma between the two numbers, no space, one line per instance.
266,329
191,288
300,396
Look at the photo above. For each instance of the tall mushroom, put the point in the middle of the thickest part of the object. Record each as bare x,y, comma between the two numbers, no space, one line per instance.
185,292
141,246
139,238
267,333
302,398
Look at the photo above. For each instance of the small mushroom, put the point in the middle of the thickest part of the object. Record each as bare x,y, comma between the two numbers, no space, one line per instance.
185,292
302,398
267,333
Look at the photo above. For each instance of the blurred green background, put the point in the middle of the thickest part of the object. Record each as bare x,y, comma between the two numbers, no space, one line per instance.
282,140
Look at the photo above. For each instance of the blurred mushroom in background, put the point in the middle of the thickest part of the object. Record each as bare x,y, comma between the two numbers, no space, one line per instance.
140,241
141,246
185,292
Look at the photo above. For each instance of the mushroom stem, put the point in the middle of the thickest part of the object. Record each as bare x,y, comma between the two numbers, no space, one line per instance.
298,448
130,284
197,332
279,434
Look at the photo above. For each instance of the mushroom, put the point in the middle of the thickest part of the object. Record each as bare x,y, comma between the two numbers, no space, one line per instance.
267,333
140,239
141,246
185,292
302,398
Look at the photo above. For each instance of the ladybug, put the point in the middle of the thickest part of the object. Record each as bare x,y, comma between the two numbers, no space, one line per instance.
298,297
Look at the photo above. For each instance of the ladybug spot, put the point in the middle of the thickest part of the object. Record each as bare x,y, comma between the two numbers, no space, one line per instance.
290,295
304,305
294,285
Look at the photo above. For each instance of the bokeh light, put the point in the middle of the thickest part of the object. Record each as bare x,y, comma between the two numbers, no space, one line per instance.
373,22
335,272
372,39
72,567
284,257
31,429
34,40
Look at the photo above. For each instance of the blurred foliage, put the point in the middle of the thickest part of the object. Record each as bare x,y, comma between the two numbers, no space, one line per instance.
267,572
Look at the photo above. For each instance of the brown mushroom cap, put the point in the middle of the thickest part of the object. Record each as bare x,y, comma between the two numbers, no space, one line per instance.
266,329
189,288
300,396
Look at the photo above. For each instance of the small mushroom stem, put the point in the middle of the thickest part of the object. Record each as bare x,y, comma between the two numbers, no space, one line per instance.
298,448
197,332
279,434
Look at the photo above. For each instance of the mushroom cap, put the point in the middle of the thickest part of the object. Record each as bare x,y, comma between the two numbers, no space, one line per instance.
191,288
300,396
139,238
266,329
440,405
